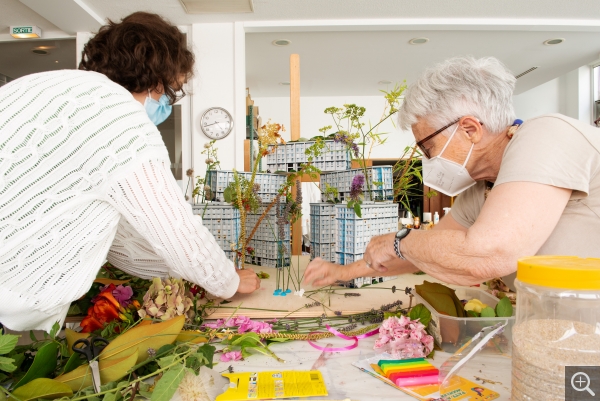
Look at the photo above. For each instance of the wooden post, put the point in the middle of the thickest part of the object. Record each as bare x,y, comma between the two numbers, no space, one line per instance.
294,97
294,135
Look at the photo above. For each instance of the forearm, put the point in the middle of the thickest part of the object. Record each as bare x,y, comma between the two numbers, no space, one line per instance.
394,267
453,257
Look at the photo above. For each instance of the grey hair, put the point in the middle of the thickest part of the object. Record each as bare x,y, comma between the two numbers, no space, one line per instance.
458,87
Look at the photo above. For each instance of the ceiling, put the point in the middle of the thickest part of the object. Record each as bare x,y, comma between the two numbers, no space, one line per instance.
338,57
17,60
352,63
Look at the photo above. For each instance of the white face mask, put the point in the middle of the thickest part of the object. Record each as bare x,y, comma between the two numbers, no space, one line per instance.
446,176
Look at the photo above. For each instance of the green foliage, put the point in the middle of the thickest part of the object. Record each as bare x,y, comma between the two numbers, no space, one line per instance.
421,313
355,204
443,299
42,388
504,308
168,383
331,193
353,133
408,177
8,342
487,312
44,363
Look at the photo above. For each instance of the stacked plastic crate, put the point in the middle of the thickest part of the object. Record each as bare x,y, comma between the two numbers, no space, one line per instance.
268,247
223,222
291,156
354,233
380,178
323,230
218,180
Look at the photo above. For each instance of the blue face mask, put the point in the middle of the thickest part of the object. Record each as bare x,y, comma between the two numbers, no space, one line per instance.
158,110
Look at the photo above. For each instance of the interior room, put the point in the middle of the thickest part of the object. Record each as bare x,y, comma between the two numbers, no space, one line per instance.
283,199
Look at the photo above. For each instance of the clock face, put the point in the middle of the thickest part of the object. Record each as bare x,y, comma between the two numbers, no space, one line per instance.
216,123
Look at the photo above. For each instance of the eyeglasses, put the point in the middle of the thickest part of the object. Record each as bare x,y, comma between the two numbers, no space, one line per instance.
422,142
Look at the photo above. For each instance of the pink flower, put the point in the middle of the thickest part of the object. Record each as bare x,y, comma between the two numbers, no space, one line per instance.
231,356
404,338
123,295
216,325
244,324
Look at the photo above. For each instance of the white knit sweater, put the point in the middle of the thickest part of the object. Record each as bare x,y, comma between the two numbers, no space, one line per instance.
83,177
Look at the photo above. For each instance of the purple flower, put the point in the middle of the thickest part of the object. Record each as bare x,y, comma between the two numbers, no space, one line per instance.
231,356
356,189
123,295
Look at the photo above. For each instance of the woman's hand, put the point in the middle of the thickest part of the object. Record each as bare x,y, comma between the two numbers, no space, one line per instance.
379,251
320,273
249,281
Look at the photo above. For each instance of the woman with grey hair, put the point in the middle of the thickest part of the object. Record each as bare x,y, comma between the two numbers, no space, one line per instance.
545,175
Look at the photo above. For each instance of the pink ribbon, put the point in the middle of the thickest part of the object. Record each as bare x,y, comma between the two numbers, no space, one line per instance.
341,335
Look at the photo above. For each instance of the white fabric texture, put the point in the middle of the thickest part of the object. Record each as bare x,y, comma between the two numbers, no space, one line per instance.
84,171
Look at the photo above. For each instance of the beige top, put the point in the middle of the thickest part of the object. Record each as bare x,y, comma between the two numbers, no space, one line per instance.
559,151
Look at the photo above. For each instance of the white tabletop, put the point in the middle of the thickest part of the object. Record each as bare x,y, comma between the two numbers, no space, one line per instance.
346,381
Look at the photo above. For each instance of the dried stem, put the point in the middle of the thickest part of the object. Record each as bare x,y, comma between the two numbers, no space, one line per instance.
262,216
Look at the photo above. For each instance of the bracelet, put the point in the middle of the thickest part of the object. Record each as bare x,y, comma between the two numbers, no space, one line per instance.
397,248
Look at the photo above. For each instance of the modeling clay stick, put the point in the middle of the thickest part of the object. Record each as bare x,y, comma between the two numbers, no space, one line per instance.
417,381
385,362
388,371
401,375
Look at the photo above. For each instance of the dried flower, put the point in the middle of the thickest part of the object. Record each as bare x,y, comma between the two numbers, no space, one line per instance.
166,299
192,388
298,194
393,289
207,145
210,160
351,294
337,313
151,352
189,172
408,290
356,188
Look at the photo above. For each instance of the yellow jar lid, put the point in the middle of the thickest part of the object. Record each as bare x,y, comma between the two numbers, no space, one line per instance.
568,272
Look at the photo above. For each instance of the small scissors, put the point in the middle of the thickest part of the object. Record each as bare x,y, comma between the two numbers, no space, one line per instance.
91,348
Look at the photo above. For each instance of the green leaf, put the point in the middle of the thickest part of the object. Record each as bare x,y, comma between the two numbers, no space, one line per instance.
357,210
443,299
2,395
43,364
74,362
54,331
278,340
504,308
167,385
7,343
7,364
32,336
422,313
208,351
42,388
166,361
247,338
470,313
488,312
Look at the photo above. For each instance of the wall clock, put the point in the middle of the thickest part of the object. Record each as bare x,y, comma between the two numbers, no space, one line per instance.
216,123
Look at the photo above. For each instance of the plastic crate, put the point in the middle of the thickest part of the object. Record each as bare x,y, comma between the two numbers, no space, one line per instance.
450,333
218,180
342,180
323,231
293,155
222,221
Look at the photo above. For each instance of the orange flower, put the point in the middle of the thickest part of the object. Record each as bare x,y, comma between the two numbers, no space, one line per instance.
105,309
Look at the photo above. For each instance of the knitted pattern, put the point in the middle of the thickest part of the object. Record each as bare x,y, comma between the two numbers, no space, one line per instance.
84,171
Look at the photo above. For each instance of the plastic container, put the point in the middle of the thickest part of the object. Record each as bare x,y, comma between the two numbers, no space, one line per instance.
558,321
450,333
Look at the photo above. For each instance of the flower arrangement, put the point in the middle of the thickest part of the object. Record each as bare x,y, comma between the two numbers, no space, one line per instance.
167,298
357,139
113,304
201,192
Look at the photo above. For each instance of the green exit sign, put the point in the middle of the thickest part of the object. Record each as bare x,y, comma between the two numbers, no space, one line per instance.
23,32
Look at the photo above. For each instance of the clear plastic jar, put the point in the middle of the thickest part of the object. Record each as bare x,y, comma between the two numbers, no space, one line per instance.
558,324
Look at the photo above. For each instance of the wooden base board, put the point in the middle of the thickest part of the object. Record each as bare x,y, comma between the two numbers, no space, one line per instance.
263,304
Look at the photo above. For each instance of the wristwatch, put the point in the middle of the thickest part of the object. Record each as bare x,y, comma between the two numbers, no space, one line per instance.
399,236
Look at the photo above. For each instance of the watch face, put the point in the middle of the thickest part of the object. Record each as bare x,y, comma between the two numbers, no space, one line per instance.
216,123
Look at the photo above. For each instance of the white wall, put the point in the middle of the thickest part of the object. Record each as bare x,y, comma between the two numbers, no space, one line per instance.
312,118
219,50
569,94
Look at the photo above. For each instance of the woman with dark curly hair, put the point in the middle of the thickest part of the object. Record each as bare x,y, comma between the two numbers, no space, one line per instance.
84,176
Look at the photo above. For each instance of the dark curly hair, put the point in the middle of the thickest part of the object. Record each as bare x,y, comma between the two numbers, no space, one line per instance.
142,52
